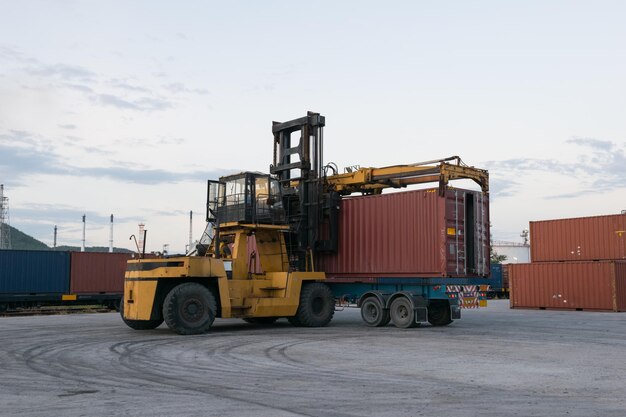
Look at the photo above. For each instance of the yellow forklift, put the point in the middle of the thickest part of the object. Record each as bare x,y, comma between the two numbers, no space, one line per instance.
292,215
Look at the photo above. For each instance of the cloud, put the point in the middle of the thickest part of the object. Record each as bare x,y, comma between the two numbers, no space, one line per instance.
144,176
68,126
16,163
15,137
563,196
141,104
533,164
26,158
139,142
55,213
124,85
601,145
500,188
11,54
78,78
601,167
79,87
62,71
181,88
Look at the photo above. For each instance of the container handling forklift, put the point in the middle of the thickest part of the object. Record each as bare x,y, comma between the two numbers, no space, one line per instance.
293,215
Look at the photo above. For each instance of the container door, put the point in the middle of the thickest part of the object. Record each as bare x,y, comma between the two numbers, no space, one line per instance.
472,249
455,233
484,234
477,233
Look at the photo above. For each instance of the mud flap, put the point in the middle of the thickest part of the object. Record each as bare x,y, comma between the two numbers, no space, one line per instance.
455,309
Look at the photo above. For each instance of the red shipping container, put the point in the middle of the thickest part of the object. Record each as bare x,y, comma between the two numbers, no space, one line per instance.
411,234
578,239
569,285
98,272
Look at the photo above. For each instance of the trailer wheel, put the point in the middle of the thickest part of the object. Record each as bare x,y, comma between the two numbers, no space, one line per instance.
402,313
373,313
139,324
261,320
317,306
439,313
189,308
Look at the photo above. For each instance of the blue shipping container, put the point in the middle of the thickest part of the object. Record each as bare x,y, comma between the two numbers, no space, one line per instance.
496,277
34,272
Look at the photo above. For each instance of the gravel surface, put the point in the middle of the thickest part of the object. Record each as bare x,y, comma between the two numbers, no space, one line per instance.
493,362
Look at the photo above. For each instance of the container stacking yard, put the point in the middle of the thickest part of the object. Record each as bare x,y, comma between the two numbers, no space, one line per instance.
34,278
577,264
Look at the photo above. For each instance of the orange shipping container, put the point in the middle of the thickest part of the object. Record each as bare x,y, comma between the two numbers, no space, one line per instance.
569,285
98,272
578,239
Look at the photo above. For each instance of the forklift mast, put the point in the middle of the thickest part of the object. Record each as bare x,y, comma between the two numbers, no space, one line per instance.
311,210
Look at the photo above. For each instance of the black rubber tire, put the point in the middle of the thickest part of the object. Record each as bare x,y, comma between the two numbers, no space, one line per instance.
261,320
139,324
294,321
373,313
439,314
317,305
189,308
402,313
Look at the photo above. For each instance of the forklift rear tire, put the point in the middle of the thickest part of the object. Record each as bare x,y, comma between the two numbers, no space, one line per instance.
260,320
402,313
139,324
317,306
189,308
373,313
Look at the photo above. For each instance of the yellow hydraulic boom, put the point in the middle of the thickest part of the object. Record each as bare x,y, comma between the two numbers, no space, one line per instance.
374,180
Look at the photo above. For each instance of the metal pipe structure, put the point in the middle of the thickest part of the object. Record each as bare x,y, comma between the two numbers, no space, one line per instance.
82,248
5,230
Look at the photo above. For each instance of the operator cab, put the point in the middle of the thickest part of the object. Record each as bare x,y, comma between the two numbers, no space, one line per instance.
247,197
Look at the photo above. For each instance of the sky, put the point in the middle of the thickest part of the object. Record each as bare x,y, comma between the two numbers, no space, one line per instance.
127,108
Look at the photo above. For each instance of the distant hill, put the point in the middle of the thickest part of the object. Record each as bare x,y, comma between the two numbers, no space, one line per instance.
22,241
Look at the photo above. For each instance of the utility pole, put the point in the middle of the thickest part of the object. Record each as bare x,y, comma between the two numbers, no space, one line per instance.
54,245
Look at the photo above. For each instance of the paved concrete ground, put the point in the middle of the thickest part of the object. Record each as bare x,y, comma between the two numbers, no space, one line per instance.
493,362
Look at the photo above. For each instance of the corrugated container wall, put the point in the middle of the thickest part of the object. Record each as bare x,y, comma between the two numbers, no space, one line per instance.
96,273
34,272
579,239
411,234
569,285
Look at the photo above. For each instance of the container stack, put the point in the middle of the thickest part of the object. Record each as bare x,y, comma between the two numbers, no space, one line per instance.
576,264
